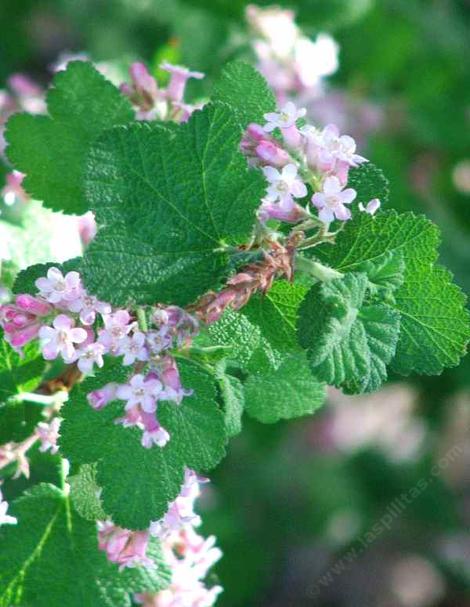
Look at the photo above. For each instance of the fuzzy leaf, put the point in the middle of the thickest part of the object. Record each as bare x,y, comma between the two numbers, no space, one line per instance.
369,182
246,91
138,483
19,373
84,492
231,390
284,393
18,420
52,149
275,313
51,558
435,326
348,342
167,203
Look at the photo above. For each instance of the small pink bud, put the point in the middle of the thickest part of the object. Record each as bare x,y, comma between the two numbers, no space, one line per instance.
256,131
98,399
33,305
272,154
22,337
292,137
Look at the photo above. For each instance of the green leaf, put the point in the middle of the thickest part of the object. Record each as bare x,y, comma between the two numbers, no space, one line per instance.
19,373
284,393
435,325
168,203
231,390
275,313
369,182
386,274
18,420
84,493
348,341
25,280
52,149
51,558
434,322
138,483
236,331
246,91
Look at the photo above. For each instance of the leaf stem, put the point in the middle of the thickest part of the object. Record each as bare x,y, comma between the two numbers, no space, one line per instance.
316,269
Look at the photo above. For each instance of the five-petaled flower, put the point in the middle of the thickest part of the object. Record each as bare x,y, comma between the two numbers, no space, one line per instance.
332,199
61,339
57,288
285,184
140,391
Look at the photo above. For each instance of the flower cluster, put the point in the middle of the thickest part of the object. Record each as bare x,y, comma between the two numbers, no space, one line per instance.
152,102
305,159
189,555
77,327
292,64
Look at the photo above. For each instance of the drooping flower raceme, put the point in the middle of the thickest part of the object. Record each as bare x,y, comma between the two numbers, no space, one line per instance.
189,555
64,317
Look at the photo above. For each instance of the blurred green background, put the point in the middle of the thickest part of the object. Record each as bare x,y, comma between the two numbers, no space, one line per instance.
293,504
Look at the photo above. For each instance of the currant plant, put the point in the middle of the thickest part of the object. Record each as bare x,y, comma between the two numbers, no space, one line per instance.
244,260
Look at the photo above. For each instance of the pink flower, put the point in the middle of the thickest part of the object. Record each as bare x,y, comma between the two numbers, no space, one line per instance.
286,210
122,546
21,321
330,152
57,288
5,519
271,153
87,228
140,391
371,207
173,390
116,327
332,199
133,348
60,339
284,184
90,355
286,121
87,306
98,399
48,434
179,77
158,436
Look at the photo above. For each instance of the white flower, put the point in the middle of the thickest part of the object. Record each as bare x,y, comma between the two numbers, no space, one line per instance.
140,391
60,339
284,184
158,437
57,287
48,434
88,306
286,118
90,355
371,207
332,199
133,348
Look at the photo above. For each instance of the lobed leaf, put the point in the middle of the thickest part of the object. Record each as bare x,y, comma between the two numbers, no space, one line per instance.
52,149
349,342
168,203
